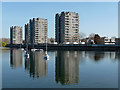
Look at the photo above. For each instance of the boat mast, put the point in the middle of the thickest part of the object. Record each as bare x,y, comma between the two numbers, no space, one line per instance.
27,47
46,43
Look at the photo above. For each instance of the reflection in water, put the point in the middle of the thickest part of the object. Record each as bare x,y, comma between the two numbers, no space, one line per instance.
99,55
66,63
96,56
67,67
15,58
117,56
82,56
36,65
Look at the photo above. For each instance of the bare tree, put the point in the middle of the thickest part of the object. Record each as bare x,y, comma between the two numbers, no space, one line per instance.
6,40
113,37
91,36
81,36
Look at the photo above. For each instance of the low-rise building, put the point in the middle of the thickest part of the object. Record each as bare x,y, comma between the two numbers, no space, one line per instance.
117,41
109,40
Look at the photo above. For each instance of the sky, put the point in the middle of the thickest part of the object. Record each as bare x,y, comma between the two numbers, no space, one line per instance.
94,17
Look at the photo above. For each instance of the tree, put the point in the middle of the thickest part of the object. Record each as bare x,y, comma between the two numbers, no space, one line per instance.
97,39
113,37
52,40
3,44
91,36
81,36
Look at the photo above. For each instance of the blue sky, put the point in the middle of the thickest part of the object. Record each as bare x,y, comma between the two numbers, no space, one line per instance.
94,17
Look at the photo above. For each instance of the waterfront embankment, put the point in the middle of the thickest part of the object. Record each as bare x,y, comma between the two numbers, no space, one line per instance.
68,47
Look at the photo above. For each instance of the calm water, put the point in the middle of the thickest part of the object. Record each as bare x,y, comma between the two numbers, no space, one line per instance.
65,69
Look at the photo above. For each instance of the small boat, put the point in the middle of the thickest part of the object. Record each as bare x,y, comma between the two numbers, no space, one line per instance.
26,51
39,50
22,49
46,57
33,49
26,55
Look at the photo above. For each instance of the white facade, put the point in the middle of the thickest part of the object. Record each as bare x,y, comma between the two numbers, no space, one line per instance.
66,27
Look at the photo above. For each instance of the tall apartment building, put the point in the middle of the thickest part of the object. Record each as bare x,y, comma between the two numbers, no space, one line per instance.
27,33
36,31
66,27
16,35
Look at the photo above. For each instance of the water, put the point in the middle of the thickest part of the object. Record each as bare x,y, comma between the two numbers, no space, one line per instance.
65,69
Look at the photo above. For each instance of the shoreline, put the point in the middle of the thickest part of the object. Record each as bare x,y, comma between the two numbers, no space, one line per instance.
69,47
4,48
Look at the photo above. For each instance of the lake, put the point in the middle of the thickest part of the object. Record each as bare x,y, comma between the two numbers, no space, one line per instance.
64,69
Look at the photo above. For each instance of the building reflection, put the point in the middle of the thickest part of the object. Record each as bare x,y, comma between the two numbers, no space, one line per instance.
16,58
82,56
95,55
99,55
117,56
36,65
67,67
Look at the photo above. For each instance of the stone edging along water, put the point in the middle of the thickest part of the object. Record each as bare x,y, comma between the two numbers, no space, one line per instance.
68,47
